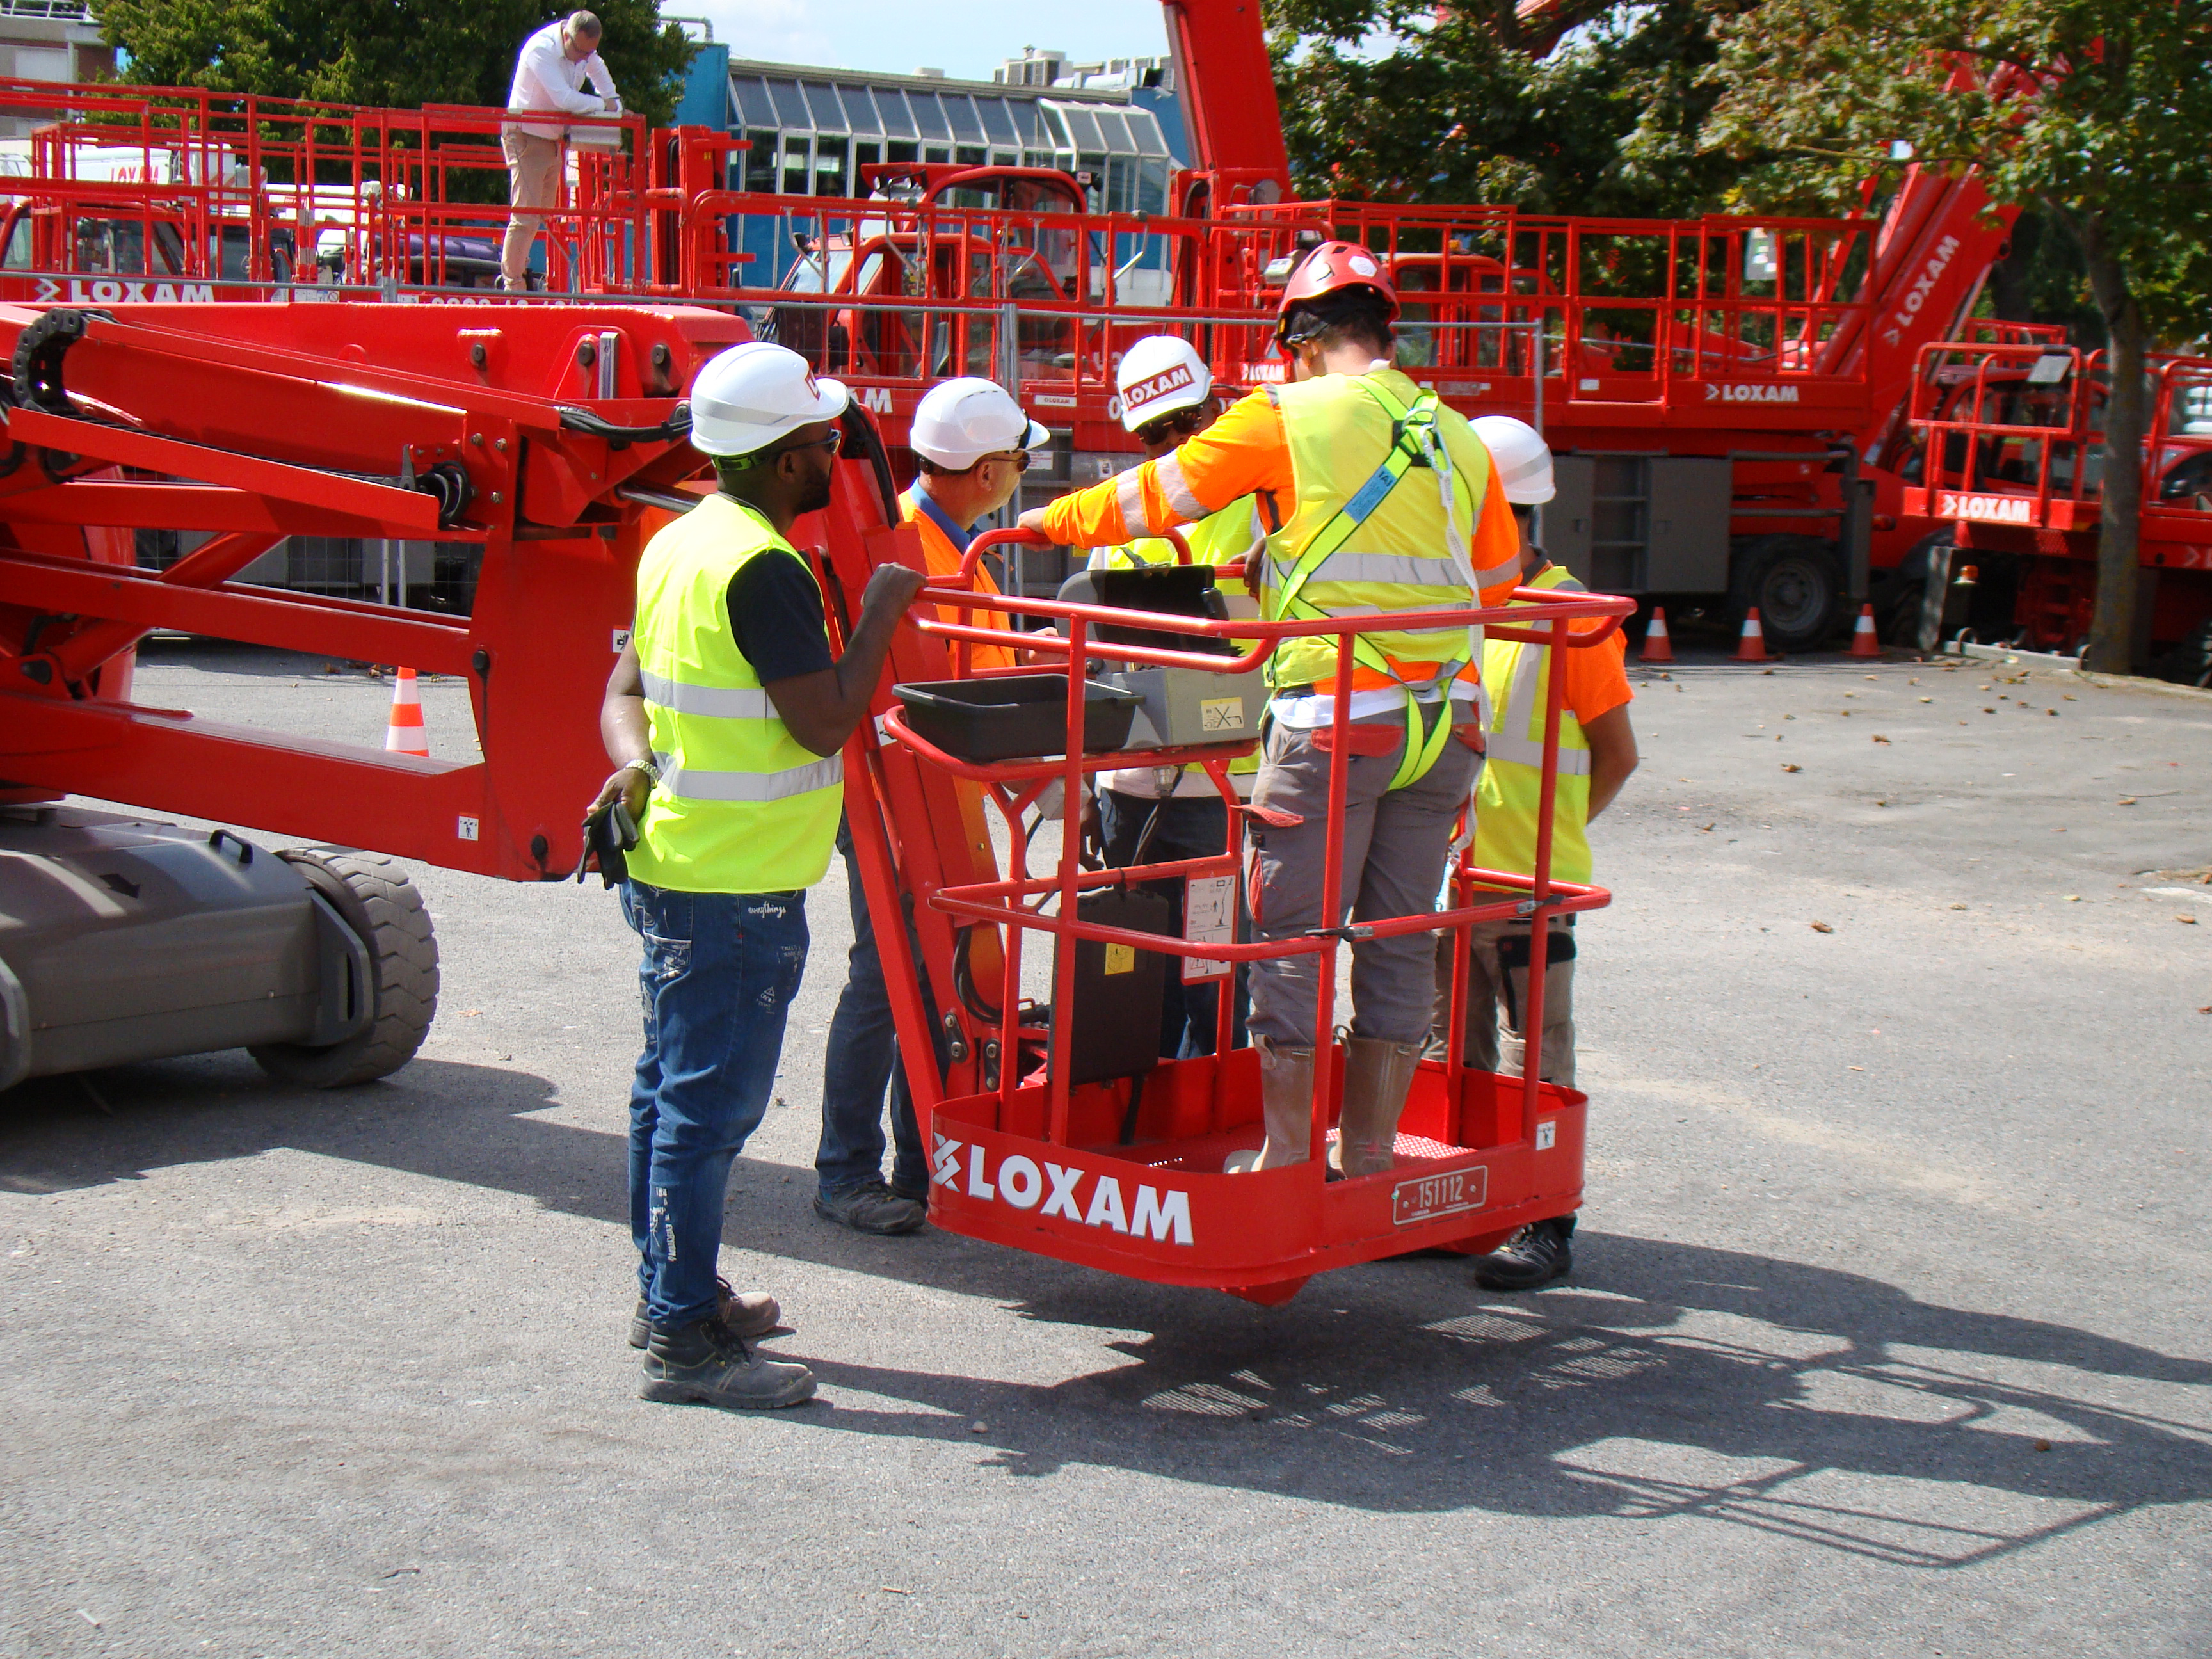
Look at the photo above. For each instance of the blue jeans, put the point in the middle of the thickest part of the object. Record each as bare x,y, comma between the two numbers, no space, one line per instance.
719,974
862,1058
1190,827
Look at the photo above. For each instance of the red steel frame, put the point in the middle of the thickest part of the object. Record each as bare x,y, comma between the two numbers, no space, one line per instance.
1479,1155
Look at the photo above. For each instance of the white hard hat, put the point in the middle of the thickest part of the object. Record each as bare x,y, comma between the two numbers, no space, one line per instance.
1523,458
960,422
752,394
1157,376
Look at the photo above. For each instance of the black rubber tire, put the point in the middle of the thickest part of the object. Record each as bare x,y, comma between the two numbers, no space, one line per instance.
1900,620
381,906
2189,663
1798,583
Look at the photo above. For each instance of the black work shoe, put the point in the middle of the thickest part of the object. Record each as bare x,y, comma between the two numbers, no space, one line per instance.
871,1208
748,1312
708,1363
1537,1255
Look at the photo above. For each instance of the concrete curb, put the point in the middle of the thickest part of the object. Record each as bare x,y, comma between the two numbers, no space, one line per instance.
2004,658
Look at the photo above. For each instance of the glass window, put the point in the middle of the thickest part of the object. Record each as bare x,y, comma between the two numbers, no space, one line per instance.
759,162
1082,126
929,116
896,151
860,110
790,105
829,167
1005,158
968,156
1152,186
1113,131
755,107
829,112
997,121
936,152
794,165
866,153
960,109
1145,133
1094,165
898,120
1021,114
1052,128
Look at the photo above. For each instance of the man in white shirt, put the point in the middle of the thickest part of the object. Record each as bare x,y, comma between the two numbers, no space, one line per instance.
549,80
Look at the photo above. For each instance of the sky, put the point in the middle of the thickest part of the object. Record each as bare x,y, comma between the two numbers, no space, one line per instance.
967,38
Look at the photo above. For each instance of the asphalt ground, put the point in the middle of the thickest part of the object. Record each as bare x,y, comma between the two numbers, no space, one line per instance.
1887,1331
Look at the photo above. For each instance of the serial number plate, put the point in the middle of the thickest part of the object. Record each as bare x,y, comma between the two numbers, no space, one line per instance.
1439,1195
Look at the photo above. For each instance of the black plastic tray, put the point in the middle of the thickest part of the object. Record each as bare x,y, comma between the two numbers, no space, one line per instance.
1014,717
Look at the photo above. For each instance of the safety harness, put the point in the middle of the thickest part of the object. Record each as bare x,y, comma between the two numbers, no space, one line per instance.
1415,443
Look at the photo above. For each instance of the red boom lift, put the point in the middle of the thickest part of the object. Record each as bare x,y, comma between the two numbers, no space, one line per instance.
130,939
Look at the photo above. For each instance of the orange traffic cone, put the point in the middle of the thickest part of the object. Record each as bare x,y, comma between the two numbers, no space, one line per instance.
1751,646
402,732
1657,647
1864,641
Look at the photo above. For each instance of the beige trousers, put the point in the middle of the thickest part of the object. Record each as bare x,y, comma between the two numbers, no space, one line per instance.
1498,996
533,180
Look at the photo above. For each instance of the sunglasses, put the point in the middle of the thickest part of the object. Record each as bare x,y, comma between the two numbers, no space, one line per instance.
1019,459
830,443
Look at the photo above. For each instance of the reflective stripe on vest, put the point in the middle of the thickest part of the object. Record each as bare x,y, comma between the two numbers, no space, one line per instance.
1509,796
742,806
1392,542
693,783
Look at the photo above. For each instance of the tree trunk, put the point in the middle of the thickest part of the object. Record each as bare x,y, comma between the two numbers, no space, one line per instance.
2120,531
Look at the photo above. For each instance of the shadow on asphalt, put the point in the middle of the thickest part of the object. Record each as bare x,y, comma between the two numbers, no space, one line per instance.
1665,1379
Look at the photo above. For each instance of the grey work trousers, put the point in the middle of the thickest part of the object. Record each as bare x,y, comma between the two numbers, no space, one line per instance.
1497,1000
1396,841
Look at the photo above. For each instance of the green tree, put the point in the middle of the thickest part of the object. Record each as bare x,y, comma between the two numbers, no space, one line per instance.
1587,109
391,54
2095,114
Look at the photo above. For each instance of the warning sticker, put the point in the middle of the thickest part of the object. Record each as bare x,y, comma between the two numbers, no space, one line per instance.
1209,917
1221,714
1121,958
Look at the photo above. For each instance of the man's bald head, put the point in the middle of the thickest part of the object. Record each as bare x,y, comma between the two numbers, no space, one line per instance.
584,26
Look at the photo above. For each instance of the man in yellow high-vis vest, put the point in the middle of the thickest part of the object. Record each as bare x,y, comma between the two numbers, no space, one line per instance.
1384,499
726,715
1597,753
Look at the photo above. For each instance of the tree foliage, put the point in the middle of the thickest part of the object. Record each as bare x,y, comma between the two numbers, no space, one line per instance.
2094,114
386,54
1596,111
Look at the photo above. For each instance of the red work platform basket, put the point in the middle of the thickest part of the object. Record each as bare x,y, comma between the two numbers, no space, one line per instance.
1126,1175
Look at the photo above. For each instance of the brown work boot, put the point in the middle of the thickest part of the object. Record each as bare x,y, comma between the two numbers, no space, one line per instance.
748,1312
1378,1076
1286,1079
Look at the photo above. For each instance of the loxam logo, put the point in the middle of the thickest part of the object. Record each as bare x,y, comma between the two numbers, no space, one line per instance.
1916,298
876,399
1021,1184
1750,394
1985,509
105,291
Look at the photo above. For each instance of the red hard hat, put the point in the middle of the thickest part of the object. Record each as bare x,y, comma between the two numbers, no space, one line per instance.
1332,268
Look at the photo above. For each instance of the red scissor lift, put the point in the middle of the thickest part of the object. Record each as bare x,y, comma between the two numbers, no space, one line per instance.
1125,1174
2011,436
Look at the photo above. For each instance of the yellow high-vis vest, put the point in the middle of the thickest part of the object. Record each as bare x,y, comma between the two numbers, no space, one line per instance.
1510,792
742,805
1390,487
